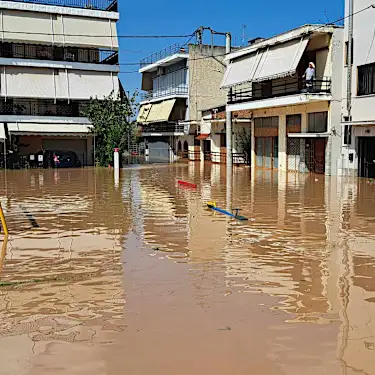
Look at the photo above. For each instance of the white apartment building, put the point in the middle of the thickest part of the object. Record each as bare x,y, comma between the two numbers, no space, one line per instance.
293,127
358,150
53,58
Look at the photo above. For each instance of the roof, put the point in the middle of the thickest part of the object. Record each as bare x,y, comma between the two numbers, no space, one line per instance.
283,37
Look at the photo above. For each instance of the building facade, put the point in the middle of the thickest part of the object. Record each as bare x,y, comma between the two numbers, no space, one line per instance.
358,127
295,125
53,59
182,90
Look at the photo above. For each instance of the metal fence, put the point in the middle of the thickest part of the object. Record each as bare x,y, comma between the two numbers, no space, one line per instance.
163,128
58,53
181,90
35,107
272,89
171,50
108,5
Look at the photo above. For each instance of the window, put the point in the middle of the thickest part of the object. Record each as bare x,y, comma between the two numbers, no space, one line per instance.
317,122
266,122
366,79
347,50
293,120
347,134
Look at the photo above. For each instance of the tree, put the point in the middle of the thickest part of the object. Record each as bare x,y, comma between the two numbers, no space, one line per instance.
113,123
244,139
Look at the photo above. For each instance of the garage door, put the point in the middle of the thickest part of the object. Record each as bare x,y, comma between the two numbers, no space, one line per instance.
79,146
158,152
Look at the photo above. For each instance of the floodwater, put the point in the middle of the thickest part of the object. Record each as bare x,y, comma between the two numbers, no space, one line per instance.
138,277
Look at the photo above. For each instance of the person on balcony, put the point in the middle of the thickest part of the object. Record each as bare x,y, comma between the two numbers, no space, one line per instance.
309,77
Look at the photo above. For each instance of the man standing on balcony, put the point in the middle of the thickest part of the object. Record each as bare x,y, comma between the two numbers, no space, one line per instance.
309,76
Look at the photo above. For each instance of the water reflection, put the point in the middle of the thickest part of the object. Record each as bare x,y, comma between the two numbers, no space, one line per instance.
305,256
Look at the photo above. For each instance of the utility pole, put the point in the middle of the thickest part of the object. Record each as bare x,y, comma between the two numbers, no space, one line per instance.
228,122
349,62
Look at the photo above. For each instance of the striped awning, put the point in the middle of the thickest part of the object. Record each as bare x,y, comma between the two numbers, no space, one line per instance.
160,112
276,61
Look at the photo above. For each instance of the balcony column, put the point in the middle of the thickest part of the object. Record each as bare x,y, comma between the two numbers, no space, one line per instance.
253,153
282,144
302,152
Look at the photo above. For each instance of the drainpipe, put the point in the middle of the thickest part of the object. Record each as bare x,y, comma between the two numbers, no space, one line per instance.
350,58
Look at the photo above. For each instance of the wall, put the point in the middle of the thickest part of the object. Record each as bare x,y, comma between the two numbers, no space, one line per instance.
205,76
363,53
48,28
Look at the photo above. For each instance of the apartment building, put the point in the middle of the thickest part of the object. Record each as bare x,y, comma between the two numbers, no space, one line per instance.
53,59
294,126
182,85
358,127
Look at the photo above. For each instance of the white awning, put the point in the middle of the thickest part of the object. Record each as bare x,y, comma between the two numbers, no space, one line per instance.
241,70
275,62
309,135
48,129
2,132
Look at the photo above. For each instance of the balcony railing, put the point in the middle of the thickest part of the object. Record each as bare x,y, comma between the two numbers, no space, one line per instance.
34,107
108,5
282,88
181,90
169,51
72,54
165,128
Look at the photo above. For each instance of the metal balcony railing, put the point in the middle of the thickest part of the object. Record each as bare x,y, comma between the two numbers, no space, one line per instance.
164,128
35,107
171,50
108,5
181,90
72,54
269,89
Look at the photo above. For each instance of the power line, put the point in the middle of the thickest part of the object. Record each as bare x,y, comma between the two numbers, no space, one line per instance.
100,36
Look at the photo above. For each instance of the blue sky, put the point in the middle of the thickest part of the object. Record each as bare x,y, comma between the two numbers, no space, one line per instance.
263,18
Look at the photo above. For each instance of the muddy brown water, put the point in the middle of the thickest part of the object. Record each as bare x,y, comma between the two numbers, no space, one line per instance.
141,278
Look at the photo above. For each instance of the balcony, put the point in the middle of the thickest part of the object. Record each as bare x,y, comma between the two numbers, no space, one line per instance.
279,88
181,91
55,53
107,5
165,129
27,107
166,52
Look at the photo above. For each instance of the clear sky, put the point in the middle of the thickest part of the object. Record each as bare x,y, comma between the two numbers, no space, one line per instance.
263,18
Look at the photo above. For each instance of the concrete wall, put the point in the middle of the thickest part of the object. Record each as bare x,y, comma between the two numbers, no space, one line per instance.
205,76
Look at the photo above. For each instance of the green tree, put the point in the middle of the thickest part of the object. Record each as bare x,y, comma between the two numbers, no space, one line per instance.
113,123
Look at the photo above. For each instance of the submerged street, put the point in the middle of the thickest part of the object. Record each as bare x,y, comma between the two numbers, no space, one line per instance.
139,276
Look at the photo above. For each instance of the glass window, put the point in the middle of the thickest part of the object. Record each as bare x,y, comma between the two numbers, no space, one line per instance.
266,122
292,120
317,122
366,79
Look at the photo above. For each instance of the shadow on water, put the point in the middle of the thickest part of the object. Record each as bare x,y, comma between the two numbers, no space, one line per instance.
138,276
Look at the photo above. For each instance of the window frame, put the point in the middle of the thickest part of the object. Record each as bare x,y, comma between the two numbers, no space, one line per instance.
361,91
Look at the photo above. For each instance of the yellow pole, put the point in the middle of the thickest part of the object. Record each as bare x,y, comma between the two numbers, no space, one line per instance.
3,252
3,222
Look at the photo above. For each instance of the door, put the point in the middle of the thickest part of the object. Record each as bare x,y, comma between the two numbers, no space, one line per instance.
158,151
267,152
315,155
207,149
366,153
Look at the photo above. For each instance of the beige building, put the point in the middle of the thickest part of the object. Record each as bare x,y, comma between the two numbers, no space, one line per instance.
295,124
53,59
